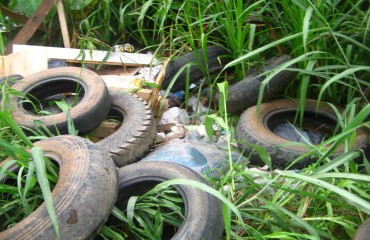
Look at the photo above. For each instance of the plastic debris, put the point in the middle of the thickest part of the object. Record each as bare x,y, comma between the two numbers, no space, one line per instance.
295,134
198,107
174,100
149,74
57,63
205,158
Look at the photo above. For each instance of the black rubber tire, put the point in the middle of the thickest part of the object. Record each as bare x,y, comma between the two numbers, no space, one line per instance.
203,212
259,131
137,132
217,59
363,232
81,207
244,94
87,114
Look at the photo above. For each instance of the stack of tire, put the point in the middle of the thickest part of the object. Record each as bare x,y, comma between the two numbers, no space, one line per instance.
93,177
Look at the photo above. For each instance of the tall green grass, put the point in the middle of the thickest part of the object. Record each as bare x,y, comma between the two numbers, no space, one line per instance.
153,215
25,183
329,40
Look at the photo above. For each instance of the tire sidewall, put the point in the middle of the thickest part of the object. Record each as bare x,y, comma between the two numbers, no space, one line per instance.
203,216
80,209
256,125
86,114
137,132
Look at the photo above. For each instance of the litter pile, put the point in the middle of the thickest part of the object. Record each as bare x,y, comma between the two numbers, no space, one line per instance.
150,148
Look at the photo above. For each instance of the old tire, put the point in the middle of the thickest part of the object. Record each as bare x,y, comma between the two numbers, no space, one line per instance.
244,94
80,207
135,135
363,232
217,59
259,129
203,214
87,114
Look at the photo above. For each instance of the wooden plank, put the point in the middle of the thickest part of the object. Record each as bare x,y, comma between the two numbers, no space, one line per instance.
32,24
122,81
63,24
24,63
18,17
93,56
127,84
157,103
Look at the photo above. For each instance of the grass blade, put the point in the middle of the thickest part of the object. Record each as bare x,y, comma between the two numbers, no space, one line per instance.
351,198
38,158
203,187
14,126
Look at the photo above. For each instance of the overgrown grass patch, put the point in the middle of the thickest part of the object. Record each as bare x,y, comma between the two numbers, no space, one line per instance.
329,40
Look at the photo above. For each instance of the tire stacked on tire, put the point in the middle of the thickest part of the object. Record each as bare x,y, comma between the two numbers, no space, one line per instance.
87,187
91,104
136,134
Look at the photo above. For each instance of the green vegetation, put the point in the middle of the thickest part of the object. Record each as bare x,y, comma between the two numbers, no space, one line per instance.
149,216
329,40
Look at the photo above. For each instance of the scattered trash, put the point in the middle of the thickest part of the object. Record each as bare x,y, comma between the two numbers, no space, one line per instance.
126,47
160,138
198,109
174,100
197,132
175,116
177,132
149,74
180,94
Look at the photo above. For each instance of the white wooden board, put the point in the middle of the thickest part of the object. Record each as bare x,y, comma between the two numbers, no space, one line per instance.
94,56
24,63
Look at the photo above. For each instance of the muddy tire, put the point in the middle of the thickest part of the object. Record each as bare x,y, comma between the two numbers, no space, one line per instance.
203,214
260,131
135,135
244,94
81,209
217,59
91,107
363,232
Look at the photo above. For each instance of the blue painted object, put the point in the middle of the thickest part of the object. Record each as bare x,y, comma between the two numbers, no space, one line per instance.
205,158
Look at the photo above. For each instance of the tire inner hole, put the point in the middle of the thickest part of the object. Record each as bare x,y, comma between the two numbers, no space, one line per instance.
315,127
145,205
109,126
53,96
